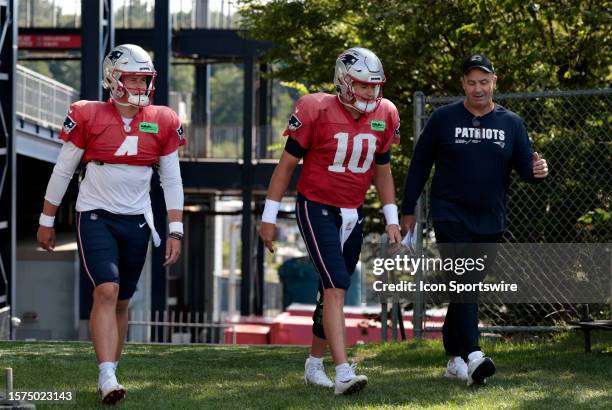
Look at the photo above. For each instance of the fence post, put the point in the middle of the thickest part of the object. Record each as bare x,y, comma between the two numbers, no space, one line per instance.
419,305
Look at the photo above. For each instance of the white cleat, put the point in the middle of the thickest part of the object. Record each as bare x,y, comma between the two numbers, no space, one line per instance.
457,368
110,390
349,382
479,368
314,373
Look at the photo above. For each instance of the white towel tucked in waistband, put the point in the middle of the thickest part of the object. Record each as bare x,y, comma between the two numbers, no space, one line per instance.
149,218
350,218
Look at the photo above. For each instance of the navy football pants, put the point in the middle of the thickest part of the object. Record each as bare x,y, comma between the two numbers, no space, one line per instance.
460,330
320,226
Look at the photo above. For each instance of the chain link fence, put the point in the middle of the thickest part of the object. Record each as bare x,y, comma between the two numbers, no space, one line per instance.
571,130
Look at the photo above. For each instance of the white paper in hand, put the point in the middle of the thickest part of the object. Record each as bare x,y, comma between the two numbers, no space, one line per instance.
409,240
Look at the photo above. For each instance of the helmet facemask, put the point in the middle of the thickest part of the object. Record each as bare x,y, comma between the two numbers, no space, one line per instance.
352,98
138,100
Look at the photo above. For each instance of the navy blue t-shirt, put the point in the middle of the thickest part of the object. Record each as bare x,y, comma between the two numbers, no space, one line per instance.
473,159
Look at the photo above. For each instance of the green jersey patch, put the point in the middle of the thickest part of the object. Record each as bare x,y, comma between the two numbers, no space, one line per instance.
148,127
378,125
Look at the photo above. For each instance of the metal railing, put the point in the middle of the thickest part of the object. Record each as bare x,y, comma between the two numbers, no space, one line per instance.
41,99
186,14
177,327
572,130
217,14
51,14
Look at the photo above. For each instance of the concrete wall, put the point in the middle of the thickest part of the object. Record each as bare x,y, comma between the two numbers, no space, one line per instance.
47,295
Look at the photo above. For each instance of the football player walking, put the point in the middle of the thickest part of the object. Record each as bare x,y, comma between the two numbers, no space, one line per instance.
119,141
344,141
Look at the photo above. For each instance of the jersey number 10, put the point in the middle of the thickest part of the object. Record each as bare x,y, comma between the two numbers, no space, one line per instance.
353,164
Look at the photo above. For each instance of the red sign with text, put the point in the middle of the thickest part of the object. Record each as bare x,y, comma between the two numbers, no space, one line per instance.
62,41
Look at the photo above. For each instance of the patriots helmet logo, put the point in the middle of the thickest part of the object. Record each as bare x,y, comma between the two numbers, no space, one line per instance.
349,60
180,132
115,55
294,123
69,124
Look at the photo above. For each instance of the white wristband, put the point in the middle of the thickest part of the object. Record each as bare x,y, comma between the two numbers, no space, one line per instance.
46,220
270,211
175,227
390,211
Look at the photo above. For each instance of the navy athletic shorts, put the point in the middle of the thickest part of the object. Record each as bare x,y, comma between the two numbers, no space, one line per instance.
320,226
113,248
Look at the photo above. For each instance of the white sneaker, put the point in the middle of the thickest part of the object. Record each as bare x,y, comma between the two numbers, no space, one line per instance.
457,368
110,390
479,368
349,383
314,373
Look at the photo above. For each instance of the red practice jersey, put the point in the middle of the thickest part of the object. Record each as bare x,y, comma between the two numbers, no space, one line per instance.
97,128
339,161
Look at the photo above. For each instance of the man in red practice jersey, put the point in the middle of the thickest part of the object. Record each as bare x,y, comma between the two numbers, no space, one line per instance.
345,141
120,141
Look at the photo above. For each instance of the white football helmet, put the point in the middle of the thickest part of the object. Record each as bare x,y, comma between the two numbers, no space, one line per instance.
133,60
358,65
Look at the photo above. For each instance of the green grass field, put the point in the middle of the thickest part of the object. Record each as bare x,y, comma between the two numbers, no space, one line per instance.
552,374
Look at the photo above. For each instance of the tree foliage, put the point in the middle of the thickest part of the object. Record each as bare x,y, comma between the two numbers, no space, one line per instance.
554,44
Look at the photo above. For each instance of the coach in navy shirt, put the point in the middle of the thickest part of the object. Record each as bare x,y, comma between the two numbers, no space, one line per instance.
474,144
